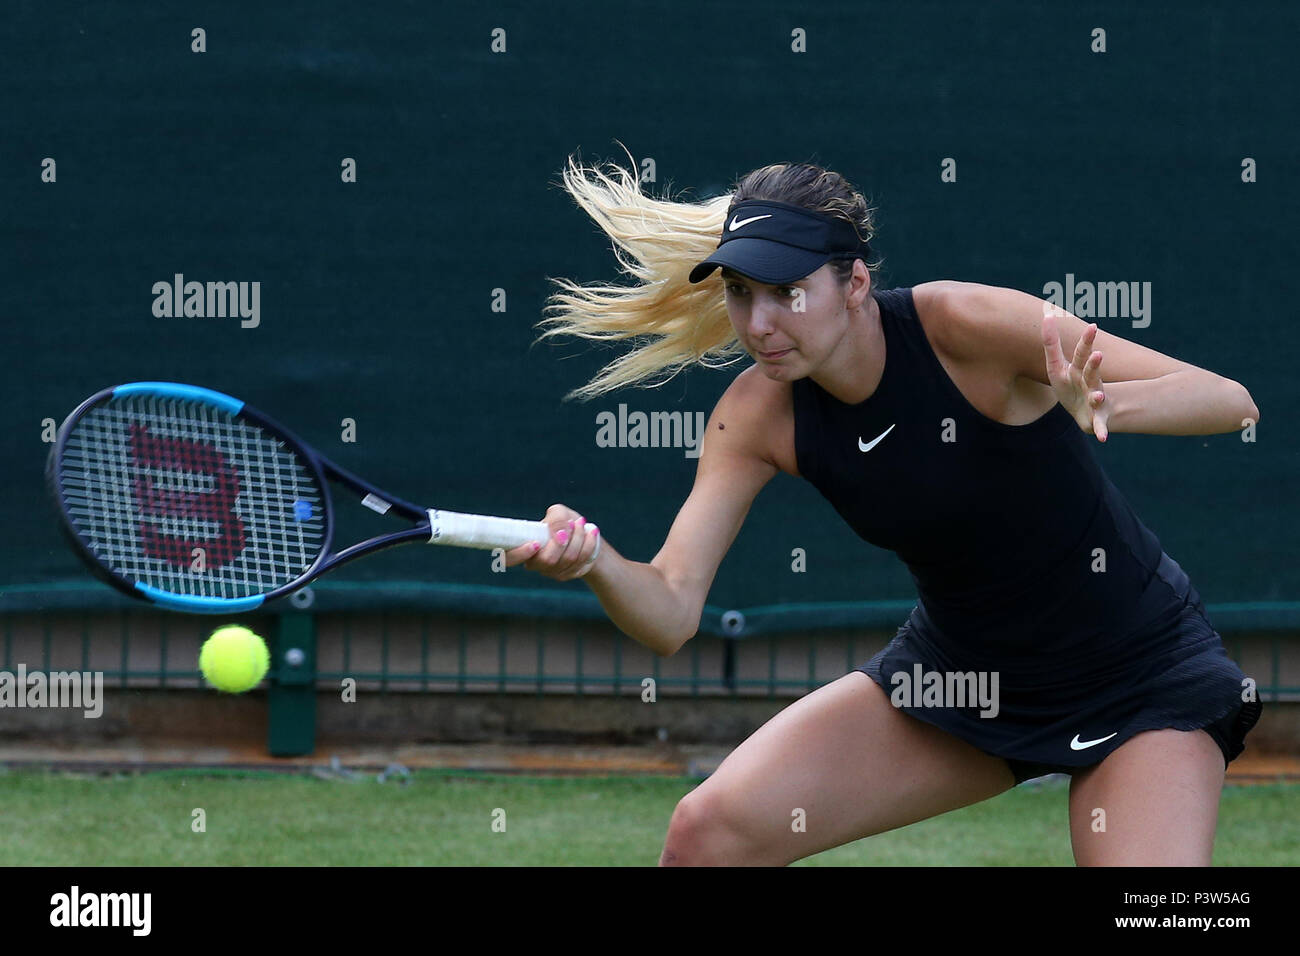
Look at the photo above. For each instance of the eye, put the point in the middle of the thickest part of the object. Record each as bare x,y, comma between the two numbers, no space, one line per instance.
789,291
735,288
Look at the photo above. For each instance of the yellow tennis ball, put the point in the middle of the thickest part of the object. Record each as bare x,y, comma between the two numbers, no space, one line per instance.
234,659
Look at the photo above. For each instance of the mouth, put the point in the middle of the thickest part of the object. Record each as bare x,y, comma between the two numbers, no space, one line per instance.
773,356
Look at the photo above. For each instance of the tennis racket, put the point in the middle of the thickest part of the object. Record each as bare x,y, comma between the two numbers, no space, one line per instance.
190,499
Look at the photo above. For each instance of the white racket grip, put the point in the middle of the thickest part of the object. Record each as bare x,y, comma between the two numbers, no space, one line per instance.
483,531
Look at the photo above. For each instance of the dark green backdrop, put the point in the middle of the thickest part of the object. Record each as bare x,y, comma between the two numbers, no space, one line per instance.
376,296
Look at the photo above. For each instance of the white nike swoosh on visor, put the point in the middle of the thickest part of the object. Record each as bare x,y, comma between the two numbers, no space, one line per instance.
736,224
875,441
1077,744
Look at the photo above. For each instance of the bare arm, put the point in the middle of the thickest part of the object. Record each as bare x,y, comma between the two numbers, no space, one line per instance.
1128,387
659,603
1180,403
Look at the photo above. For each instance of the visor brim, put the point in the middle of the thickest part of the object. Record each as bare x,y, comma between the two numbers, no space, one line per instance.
763,260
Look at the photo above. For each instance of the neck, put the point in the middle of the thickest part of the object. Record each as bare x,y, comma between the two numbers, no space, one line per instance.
855,367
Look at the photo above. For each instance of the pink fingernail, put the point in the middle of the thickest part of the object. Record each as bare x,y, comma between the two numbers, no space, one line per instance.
592,529
562,537
536,545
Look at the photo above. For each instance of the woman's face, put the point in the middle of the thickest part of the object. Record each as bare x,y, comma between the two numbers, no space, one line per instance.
791,329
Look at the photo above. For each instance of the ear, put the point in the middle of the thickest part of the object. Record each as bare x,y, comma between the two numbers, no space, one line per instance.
859,285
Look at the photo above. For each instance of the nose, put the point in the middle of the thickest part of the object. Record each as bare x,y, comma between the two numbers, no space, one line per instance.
761,317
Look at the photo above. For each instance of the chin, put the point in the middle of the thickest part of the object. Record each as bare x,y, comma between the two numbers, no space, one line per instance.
780,373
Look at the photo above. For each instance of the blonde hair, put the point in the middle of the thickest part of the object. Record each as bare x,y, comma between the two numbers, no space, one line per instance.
674,324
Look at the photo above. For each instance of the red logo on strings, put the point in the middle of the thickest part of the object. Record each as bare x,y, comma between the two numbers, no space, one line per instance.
212,506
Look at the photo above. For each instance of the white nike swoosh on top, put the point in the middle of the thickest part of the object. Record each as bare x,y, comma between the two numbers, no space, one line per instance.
1077,744
872,444
736,224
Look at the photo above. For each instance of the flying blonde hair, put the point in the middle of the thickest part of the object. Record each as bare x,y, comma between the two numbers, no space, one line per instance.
674,323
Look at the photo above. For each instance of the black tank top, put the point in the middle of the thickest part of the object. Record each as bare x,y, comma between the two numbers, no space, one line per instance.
1004,528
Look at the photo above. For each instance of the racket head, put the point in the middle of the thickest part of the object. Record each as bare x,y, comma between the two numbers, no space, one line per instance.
186,497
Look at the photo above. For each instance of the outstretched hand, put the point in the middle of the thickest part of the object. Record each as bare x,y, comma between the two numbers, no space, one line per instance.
1077,383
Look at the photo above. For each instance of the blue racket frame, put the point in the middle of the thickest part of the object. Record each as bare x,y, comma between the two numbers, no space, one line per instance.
322,469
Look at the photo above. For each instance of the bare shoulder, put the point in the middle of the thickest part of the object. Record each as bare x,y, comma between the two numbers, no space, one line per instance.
975,323
948,310
755,417
988,339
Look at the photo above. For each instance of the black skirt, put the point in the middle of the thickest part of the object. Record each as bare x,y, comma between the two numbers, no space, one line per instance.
1173,673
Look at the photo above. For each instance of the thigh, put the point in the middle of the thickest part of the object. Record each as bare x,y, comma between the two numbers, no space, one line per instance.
845,763
1152,802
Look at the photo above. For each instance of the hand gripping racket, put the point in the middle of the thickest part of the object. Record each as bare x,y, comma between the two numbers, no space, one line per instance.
192,500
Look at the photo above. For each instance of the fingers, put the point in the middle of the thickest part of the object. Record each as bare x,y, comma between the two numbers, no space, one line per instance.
1087,363
555,519
560,550
1099,426
1083,348
1052,346
1092,380
1092,371
590,548
1096,396
572,544
520,554
568,561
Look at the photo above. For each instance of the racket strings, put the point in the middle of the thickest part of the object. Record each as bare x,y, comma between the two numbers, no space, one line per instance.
187,498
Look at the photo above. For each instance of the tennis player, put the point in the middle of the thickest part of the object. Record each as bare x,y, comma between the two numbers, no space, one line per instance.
948,422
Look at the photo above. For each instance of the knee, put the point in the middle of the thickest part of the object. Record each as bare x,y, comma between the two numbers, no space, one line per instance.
704,831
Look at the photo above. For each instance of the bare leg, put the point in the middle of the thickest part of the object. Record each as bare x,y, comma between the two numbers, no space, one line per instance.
844,763
1152,802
